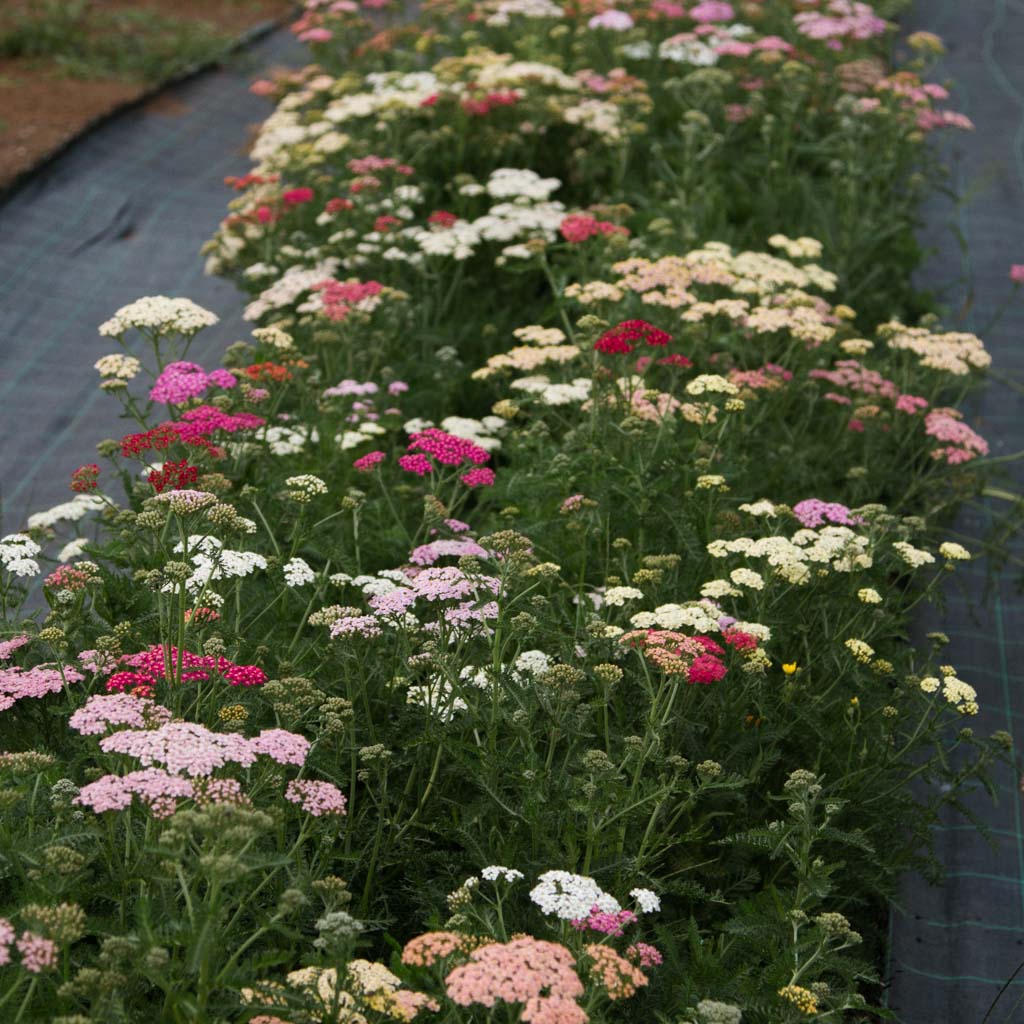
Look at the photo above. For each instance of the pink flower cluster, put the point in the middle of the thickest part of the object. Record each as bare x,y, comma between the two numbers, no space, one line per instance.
538,975
366,463
769,377
8,647
644,954
436,584
606,923
316,798
101,712
199,423
812,513
38,954
157,789
846,19
712,10
18,683
152,668
428,554
959,442
449,450
180,382
340,297
193,750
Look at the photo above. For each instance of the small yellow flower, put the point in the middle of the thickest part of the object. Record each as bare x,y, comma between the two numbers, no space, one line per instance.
789,667
855,701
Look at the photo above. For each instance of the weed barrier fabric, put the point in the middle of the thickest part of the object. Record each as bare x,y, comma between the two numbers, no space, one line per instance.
957,949
120,214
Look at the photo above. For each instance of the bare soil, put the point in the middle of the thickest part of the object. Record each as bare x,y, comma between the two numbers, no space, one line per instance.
41,108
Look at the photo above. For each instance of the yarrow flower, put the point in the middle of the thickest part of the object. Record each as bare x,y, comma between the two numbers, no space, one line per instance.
620,339
571,897
85,478
297,573
180,382
21,683
158,315
368,462
316,798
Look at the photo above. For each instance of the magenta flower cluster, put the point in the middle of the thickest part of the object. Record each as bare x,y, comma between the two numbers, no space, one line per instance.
812,513
180,382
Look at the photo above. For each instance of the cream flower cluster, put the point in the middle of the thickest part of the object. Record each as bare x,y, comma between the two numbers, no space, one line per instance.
835,547
159,315
953,352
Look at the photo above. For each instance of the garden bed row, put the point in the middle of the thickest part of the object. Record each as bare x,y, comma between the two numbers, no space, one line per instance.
515,627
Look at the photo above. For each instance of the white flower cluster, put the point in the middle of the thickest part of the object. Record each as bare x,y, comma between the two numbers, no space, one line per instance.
646,900
288,440
599,116
17,554
67,512
700,616
618,596
158,315
480,432
437,696
571,897
577,390
307,483
496,871
349,439
213,561
501,13
294,282
297,572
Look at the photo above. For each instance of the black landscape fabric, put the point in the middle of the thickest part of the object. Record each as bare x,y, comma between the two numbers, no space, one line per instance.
956,946
120,214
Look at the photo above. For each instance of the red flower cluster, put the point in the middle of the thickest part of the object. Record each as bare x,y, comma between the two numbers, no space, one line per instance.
336,205
442,218
268,371
85,478
151,667
242,183
297,196
578,227
193,428
173,475
479,106
385,223
620,339
155,440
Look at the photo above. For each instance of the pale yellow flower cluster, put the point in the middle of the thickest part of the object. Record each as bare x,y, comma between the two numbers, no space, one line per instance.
953,352
835,548
961,695
593,292
803,248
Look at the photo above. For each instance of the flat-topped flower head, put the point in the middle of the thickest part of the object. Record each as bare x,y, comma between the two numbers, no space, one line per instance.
158,315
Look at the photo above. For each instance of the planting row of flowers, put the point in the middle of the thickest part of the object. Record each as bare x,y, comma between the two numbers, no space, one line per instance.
515,626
